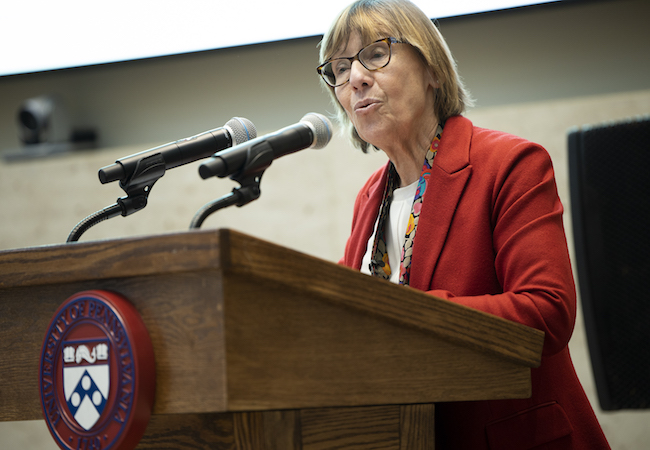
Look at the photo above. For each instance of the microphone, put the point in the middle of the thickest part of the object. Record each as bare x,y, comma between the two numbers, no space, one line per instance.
236,131
313,131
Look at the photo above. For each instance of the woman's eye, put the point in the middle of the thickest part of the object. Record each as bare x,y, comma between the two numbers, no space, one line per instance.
341,68
377,54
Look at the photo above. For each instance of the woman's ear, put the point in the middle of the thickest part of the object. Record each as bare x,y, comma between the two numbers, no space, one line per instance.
434,79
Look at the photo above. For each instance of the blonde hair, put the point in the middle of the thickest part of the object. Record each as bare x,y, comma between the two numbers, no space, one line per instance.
401,19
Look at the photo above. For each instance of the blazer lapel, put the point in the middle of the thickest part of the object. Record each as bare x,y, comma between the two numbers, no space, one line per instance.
365,218
449,176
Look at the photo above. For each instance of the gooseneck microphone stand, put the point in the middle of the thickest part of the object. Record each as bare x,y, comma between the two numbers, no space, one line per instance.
249,178
246,193
137,187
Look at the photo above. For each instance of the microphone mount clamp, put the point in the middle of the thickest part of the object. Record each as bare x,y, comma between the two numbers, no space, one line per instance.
148,170
258,159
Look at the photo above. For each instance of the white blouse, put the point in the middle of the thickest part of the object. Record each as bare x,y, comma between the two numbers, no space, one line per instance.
398,218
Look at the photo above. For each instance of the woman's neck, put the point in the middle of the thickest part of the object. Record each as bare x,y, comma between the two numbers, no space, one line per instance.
408,160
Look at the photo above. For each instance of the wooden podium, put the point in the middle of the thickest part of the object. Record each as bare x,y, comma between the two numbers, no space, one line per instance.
261,347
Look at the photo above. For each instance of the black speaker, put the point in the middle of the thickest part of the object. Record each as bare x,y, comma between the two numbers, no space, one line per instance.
609,178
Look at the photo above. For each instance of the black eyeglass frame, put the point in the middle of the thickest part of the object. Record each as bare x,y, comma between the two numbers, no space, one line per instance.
388,40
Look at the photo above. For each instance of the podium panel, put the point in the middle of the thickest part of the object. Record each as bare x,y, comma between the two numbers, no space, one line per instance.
254,342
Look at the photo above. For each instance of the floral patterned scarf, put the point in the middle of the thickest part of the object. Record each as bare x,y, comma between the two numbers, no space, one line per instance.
379,265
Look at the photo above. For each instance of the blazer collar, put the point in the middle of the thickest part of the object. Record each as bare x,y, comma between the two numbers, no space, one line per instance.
450,174
451,171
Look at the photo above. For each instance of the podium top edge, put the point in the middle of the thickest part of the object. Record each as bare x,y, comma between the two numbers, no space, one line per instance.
114,258
247,258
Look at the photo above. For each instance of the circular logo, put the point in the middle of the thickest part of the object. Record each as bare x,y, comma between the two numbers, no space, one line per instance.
97,373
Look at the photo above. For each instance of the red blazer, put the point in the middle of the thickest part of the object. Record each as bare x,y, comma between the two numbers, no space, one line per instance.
490,236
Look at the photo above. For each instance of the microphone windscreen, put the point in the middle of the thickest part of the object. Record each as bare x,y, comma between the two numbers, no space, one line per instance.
321,127
241,130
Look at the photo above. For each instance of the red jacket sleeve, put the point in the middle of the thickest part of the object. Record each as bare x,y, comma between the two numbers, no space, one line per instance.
529,257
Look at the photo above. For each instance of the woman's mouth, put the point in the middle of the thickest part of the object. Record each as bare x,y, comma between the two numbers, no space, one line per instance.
364,105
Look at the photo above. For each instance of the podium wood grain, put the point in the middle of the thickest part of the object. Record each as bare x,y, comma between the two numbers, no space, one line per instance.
253,336
393,427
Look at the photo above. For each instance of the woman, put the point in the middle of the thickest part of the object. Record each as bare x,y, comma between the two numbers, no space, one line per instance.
467,214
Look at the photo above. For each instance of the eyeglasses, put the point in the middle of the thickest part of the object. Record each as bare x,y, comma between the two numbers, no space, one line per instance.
336,72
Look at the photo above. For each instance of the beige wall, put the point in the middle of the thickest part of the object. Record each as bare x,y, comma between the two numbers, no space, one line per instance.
535,72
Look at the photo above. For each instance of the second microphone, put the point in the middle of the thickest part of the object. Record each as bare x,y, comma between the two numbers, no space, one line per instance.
313,131
183,151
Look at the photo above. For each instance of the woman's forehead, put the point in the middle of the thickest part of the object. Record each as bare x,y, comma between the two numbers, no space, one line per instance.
356,40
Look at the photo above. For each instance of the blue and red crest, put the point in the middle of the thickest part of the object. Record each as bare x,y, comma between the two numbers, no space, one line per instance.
97,373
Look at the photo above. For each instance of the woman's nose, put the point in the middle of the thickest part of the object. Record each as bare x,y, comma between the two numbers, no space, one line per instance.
359,75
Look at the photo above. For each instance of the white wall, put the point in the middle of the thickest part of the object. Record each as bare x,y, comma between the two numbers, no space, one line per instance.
534,72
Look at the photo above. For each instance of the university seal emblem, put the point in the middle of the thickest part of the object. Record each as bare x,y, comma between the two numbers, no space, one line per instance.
97,373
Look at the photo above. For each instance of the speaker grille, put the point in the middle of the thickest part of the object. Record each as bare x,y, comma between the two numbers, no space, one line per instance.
609,168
